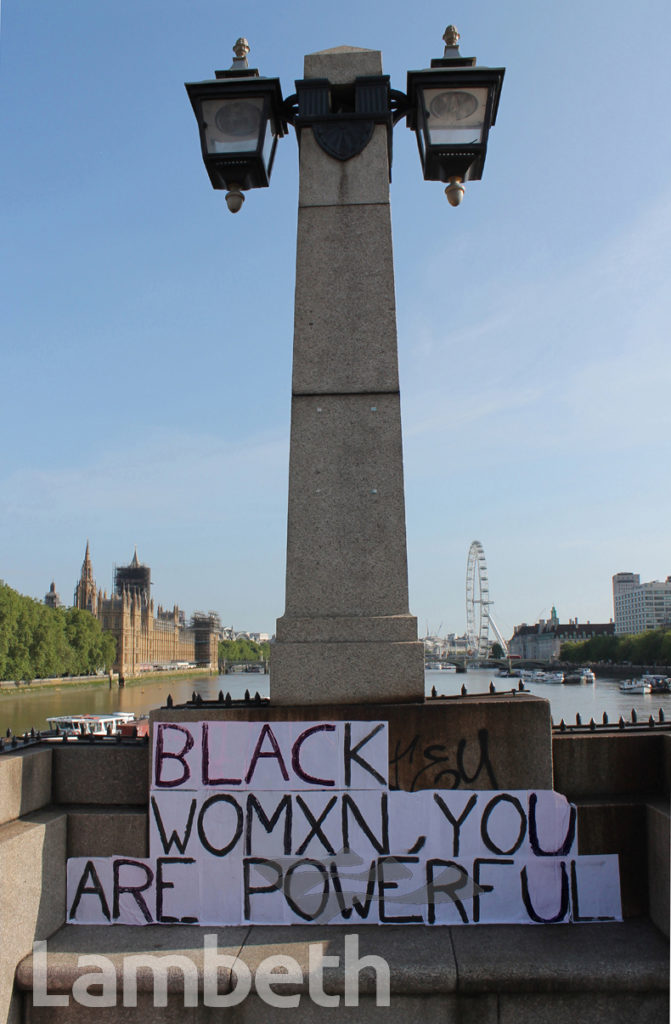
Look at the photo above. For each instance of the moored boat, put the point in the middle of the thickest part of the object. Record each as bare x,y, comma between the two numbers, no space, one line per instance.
583,677
538,675
91,725
635,686
658,684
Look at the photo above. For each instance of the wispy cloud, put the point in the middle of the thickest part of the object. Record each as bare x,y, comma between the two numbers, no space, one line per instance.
166,475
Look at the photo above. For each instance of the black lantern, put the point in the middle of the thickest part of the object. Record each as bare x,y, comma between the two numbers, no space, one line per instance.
451,108
240,118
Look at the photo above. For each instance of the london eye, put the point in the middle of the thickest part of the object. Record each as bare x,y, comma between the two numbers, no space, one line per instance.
478,605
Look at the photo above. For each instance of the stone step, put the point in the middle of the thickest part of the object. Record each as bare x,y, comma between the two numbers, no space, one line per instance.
492,974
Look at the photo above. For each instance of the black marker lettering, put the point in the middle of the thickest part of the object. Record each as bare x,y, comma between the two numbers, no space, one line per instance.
133,890
161,885
564,848
563,899
296,756
456,823
164,755
275,753
450,888
484,824
352,754
95,889
220,798
205,764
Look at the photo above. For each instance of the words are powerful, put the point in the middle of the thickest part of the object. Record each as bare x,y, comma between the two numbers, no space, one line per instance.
282,823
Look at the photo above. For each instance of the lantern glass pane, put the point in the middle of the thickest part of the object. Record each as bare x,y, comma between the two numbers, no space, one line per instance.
455,117
234,125
420,133
268,143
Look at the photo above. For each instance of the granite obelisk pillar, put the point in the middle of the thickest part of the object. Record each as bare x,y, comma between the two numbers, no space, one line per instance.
346,635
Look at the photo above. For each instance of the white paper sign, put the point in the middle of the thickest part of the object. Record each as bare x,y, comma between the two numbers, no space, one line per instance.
282,823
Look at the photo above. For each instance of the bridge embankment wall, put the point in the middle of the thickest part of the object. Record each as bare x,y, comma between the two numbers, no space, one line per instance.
90,799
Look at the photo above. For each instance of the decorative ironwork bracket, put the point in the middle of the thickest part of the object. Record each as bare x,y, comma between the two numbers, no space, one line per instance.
343,117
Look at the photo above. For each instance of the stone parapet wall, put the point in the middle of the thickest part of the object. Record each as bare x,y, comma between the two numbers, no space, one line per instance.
90,799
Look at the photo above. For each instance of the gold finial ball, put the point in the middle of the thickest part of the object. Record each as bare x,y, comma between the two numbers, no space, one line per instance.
451,36
241,47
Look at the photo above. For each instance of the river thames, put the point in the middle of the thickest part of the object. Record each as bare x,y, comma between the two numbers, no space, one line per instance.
26,710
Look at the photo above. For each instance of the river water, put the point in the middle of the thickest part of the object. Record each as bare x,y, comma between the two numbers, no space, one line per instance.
26,710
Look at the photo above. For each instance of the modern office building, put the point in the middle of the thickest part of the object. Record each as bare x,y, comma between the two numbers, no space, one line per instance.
640,606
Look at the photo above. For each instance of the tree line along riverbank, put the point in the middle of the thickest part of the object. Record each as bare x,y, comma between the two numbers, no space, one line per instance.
40,642
651,648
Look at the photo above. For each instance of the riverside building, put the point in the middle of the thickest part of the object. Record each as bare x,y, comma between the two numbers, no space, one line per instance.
640,606
542,642
146,638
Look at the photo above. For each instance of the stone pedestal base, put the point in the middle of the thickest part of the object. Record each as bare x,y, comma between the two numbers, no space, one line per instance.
316,669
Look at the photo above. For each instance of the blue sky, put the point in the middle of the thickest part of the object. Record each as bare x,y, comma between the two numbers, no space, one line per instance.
146,334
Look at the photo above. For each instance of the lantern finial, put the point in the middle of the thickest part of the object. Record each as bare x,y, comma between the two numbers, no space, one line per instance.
240,49
451,39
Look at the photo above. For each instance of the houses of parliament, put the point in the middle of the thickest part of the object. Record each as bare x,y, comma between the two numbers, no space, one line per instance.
146,638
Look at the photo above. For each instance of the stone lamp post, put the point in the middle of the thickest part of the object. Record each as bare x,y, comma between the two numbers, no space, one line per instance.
347,635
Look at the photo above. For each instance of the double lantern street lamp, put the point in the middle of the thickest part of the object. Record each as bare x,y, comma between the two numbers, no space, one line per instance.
450,107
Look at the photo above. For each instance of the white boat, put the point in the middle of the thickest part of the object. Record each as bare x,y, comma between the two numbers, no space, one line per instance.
635,686
91,725
538,675
658,684
583,677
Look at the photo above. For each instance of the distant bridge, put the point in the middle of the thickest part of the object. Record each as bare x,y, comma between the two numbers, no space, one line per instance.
230,667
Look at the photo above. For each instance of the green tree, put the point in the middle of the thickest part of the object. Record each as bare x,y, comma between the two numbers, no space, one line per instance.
235,651
36,641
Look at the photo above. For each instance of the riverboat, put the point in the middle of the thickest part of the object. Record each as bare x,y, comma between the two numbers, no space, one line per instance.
91,725
583,677
658,684
635,686
538,675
